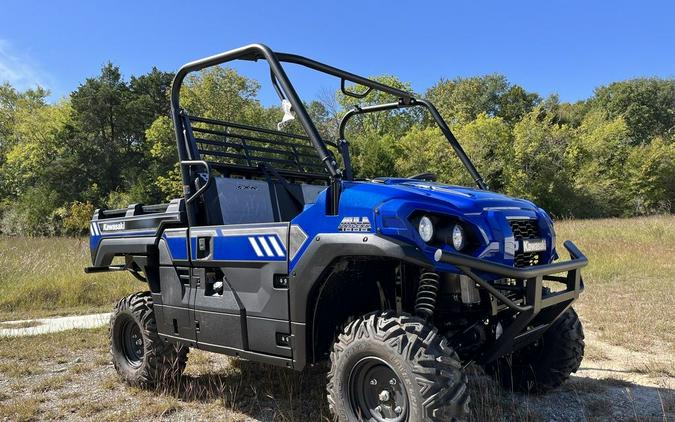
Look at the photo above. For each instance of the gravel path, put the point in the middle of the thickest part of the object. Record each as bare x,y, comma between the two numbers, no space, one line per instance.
31,327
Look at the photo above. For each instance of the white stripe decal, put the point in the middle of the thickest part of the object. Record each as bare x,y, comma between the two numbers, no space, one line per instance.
96,230
276,246
265,246
256,248
91,229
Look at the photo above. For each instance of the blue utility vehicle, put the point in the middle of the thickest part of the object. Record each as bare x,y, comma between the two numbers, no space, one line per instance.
278,254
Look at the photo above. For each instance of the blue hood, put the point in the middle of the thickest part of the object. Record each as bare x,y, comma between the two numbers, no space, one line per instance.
462,198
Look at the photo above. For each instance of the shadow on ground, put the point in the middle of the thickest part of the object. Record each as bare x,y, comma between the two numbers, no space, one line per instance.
267,393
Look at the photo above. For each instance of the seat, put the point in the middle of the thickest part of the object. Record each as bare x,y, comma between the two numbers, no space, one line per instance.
249,201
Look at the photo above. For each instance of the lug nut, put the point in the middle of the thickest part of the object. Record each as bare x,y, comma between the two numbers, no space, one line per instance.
398,410
373,382
392,381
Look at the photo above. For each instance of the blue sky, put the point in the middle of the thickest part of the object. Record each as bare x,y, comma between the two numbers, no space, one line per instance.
560,47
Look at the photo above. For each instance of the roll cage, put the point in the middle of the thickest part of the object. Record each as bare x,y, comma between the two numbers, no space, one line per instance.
261,157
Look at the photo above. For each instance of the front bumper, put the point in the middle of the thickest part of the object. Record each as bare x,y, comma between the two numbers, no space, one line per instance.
539,309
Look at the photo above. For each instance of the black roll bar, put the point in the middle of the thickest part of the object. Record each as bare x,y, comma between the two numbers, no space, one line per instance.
285,90
345,76
413,102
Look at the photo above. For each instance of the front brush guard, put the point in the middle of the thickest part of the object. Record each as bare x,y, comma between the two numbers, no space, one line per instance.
539,310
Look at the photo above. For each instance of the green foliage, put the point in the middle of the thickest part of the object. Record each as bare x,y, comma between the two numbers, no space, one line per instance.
461,100
647,105
35,213
112,143
539,169
488,141
599,152
424,149
78,217
651,186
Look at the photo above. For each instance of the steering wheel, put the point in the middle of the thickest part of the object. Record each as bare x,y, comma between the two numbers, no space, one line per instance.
429,177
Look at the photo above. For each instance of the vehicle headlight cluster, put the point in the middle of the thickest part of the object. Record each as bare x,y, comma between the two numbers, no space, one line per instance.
454,234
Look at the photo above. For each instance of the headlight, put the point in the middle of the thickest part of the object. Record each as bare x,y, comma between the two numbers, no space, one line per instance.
426,228
458,237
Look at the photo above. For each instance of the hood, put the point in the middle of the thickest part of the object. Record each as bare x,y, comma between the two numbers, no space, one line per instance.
460,197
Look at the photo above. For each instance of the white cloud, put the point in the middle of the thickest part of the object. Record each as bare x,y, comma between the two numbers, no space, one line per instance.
19,69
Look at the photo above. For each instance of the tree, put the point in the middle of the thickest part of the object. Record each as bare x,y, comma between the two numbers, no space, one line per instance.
598,155
646,104
488,142
651,171
461,100
539,167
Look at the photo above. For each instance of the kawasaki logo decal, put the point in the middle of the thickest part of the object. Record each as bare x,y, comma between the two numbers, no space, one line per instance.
109,227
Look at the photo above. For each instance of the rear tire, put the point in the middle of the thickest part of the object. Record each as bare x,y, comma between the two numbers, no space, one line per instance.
139,355
389,368
546,364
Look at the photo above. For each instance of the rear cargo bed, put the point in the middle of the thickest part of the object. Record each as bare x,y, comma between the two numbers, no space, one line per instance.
129,231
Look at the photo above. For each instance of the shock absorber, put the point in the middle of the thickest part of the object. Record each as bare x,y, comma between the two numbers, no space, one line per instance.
427,292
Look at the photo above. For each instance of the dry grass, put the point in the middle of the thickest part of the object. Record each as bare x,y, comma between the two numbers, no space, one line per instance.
20,410
215,387
45,276
630,284
630,280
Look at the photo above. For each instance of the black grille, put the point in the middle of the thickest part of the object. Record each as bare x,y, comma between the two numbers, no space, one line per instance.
525,229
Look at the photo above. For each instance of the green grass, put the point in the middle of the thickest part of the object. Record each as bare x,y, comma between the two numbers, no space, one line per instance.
630,279
45,276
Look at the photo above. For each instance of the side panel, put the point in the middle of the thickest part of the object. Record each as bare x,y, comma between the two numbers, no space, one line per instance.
172,304
218,313
247,259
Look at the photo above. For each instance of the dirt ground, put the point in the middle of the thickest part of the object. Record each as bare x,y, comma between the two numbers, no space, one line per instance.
68,376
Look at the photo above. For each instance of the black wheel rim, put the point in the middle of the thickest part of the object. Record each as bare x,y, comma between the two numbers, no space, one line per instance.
132,343
376,393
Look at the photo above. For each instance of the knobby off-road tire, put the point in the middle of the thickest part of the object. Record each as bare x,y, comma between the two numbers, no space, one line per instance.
548,363
139,355
425,377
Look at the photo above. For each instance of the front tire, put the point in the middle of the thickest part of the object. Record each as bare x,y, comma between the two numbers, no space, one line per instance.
139,355
547,363
389,368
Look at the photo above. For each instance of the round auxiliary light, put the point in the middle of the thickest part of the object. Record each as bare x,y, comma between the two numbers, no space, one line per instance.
426,228
458,237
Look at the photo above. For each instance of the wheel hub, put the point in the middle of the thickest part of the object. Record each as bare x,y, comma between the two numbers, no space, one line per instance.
376,392
132,344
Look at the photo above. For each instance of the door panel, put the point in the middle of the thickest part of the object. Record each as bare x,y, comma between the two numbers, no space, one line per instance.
246,260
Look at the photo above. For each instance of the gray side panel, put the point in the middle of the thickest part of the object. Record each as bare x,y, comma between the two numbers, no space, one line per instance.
172,312
108,248
174,322
310,192
244,201
263,336
174,289
253,283
220,329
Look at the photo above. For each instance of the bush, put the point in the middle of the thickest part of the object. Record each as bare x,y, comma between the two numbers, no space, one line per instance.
77,218
35,213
